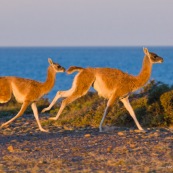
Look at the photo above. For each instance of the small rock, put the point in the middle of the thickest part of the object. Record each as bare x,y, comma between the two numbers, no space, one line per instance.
156,134
120,134
139,131
27,149
68,128
132,145
171,127
37,149
42,162
13,141
109,149
87,135
10,148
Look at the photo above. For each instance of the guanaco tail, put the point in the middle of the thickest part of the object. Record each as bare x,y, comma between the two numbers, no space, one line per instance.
27,91
110,83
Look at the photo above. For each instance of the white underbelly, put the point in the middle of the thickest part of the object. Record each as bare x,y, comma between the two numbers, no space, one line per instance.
102,90
17,94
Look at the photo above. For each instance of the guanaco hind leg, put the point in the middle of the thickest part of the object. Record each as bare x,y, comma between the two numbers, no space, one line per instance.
129,108
109,104
65,102
23,108
35,111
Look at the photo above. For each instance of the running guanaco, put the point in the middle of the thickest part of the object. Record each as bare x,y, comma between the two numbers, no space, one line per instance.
110,83
27,91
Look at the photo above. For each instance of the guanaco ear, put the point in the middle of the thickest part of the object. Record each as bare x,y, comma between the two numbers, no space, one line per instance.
50,61
146,51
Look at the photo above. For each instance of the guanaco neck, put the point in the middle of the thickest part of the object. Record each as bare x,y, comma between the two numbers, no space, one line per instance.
145,72
50,80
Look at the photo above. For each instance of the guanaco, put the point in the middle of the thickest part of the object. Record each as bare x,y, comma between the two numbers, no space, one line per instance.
27,91
110,83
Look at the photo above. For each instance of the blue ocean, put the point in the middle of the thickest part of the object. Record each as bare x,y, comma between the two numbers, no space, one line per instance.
32,62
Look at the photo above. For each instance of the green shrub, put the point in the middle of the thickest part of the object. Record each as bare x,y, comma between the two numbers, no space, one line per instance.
153,106
166,100
88,110
156,90
154,116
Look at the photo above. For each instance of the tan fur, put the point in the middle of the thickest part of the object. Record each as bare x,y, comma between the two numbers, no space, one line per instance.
27,91
73,69
112,84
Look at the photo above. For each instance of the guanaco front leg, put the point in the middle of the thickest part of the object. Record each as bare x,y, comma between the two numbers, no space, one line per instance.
129,108
65,102
35,111
103,118
23,108
109,104
59,94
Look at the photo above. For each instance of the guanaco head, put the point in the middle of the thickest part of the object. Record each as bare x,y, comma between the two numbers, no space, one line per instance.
154,58
56,66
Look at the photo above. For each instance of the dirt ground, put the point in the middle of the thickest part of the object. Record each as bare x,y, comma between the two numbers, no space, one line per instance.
23,148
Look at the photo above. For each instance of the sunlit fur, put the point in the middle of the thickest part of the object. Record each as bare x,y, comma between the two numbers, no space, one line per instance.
110,83
27,91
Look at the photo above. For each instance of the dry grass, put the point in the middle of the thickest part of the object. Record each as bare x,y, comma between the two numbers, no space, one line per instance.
153,106
150,111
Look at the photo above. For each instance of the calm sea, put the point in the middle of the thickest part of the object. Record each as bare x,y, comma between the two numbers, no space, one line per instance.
31,62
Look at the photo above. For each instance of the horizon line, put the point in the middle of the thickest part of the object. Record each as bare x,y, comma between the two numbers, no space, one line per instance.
82,46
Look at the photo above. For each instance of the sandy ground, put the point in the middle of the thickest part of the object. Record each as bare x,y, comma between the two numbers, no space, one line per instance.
23,148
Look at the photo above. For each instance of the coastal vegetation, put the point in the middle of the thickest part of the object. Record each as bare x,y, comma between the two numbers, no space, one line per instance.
74,143
153,105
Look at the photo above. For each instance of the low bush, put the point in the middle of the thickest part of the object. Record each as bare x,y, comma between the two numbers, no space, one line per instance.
147,104
153,106
167,103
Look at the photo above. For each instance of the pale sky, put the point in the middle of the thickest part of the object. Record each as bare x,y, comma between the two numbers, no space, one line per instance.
86,22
